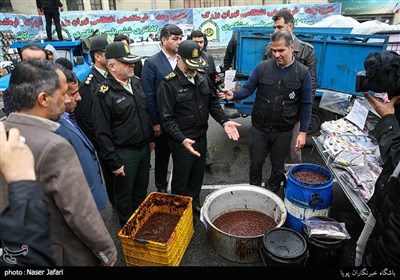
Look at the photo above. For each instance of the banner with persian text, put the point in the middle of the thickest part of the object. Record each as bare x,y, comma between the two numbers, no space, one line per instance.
216,23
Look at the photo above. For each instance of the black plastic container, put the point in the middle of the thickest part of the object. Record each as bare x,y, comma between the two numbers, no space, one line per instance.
323,251
284,247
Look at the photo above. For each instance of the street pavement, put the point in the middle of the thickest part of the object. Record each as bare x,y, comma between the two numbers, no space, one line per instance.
231,168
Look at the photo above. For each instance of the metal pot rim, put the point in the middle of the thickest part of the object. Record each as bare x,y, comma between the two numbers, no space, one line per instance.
251,188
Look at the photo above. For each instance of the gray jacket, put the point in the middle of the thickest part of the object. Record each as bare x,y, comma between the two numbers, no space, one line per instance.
78,234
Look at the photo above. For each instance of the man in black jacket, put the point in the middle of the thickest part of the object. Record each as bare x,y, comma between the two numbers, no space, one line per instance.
25,223
83,112
198,36
379,242
123,130
185,99
230,52
51,10
303,53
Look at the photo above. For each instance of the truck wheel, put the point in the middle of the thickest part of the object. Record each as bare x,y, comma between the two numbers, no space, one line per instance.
318,116
315,123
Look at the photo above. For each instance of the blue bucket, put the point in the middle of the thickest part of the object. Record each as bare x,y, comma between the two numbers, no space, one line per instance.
304,200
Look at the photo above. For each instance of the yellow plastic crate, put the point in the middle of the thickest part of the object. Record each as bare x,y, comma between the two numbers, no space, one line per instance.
139,252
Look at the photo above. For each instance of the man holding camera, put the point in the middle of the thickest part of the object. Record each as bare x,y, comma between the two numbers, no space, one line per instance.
379,242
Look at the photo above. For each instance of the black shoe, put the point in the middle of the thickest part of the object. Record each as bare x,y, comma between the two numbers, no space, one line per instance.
197,210
274,189
162,190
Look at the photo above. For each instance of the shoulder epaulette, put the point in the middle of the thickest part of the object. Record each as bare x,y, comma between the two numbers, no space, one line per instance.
103,89
170,76
88,79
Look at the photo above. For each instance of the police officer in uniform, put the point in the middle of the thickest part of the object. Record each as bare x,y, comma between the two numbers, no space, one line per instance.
185,99
83,112
123,130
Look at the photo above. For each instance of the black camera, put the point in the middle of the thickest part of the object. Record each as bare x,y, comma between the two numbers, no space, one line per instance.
382,73
361,81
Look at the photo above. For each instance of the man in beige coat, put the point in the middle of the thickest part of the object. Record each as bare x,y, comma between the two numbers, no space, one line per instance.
78,234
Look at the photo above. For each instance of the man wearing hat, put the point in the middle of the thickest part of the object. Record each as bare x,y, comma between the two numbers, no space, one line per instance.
83,111
185,99
123,130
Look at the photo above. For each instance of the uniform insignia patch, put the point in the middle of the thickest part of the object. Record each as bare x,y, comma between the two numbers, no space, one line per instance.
103,89
170,76
88,79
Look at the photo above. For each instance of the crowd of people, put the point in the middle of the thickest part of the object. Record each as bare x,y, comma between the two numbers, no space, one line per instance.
86,144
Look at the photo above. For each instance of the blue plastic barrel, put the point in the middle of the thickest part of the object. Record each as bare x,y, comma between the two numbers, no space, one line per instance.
304,200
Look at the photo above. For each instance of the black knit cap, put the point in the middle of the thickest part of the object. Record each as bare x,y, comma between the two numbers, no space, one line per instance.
121,52
190,52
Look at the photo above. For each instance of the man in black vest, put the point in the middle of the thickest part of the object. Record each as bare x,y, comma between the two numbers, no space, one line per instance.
283,92
304,53
185,100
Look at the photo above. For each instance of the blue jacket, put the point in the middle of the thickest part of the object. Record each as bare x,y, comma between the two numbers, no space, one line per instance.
88,159
154,70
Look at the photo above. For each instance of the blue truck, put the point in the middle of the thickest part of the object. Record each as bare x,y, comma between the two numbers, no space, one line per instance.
74,51
340,56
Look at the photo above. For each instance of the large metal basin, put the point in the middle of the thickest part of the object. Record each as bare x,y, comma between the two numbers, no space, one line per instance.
236,248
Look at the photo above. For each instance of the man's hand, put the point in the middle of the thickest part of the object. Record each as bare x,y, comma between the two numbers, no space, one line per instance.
41,12
225,94
16,159
157,130
119,172
300,141
230,129
381,108
188,144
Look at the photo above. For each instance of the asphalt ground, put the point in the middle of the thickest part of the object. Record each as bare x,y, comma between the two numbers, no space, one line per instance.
231,168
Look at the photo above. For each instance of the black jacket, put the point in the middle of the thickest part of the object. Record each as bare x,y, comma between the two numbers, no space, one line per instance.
303,53
383,246
120,119
25,227
210,70
276,105
230,52
184,107
83,112
49,5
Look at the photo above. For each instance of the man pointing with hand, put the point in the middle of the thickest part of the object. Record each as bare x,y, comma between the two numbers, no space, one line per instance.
185,99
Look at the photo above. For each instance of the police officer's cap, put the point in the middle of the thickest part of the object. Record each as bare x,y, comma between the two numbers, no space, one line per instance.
190,52
121,52
98,44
